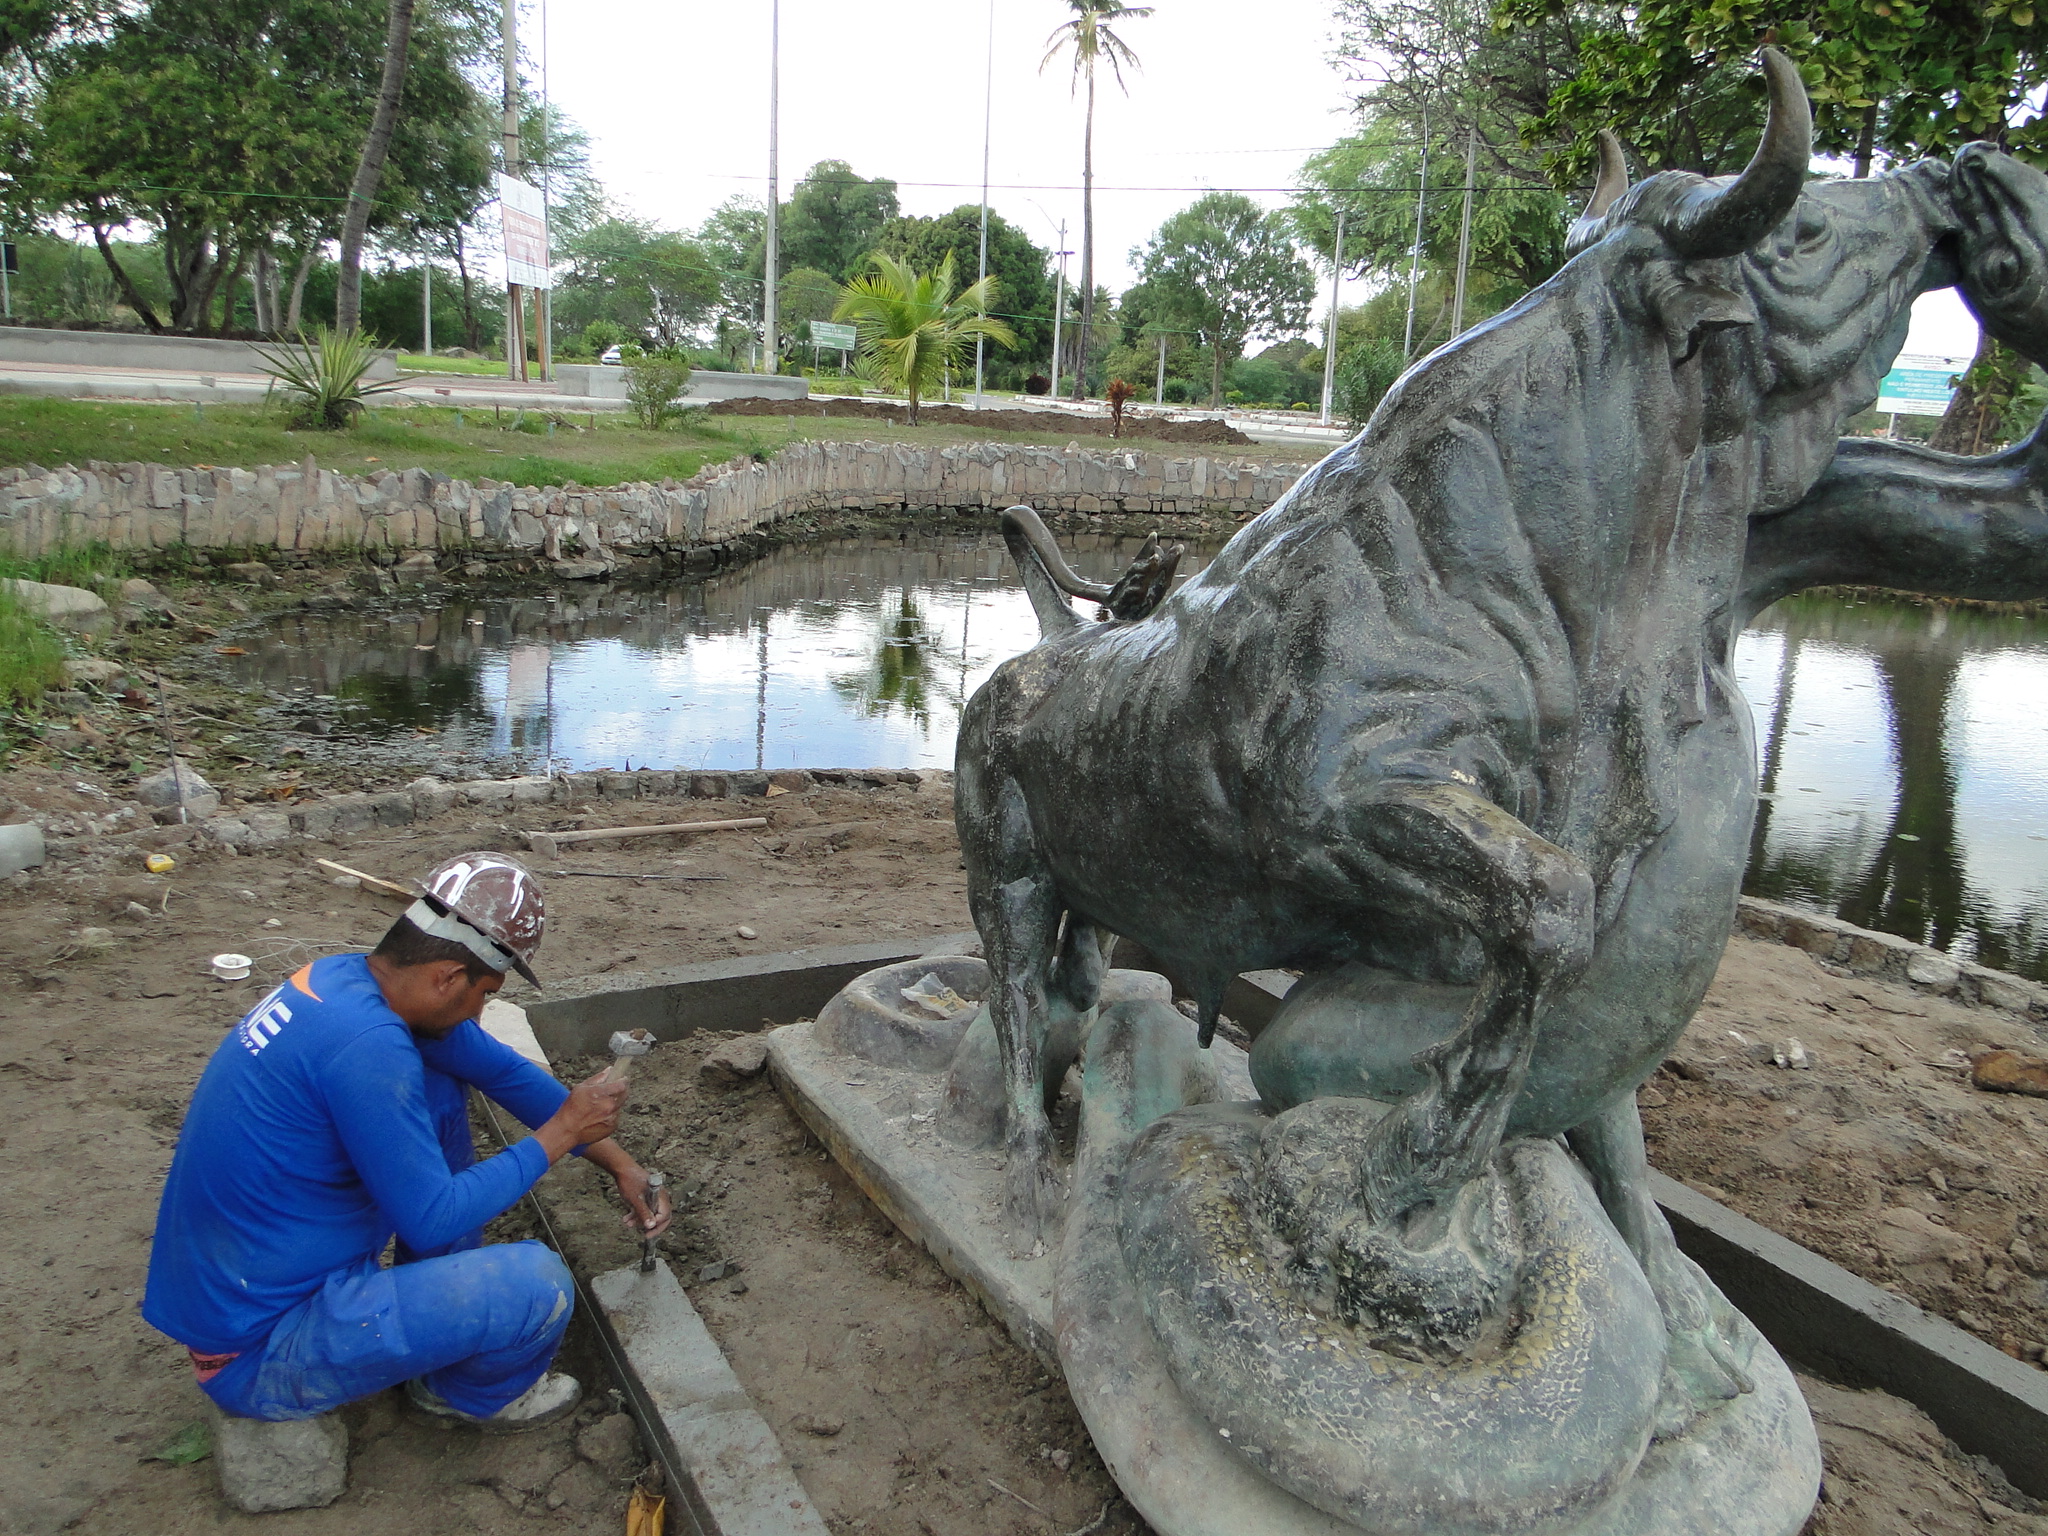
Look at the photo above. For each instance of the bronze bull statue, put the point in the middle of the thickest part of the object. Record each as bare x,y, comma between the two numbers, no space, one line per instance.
1451,727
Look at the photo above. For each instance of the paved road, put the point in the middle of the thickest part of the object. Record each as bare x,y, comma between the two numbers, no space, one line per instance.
481,391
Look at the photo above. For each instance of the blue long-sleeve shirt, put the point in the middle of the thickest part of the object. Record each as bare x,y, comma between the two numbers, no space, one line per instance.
309,1143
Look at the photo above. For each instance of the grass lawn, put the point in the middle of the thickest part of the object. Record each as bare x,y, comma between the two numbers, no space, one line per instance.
420,362
613,450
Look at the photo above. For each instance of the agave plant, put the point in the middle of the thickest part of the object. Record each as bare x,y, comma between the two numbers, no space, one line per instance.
322,376
912,323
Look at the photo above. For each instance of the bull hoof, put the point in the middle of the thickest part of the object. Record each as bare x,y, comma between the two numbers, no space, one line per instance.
1709,1360
1034,1198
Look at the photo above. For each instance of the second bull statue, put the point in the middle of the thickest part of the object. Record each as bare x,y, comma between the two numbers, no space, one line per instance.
1451,729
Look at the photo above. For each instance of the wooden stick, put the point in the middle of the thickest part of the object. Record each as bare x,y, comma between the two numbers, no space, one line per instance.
382,887
546,843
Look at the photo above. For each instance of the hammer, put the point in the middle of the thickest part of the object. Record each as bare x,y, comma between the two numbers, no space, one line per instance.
625,1044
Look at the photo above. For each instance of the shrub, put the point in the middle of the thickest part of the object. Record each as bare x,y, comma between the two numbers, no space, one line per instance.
601,335
1365,372
654,382
1119,393
1038,384
322,377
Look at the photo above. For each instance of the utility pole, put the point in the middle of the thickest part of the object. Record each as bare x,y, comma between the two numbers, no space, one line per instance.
1059,306
1415,253
1330,334
1465,229
988,89
544,299
515,296
1159,384
769,349
427,308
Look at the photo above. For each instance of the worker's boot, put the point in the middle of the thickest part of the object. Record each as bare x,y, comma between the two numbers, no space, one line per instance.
553,1397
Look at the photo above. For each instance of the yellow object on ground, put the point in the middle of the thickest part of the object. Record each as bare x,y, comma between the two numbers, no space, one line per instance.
645,1515
159,863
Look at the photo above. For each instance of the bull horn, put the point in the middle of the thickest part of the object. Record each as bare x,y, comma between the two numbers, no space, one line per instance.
1613,178
1607,186
1726,221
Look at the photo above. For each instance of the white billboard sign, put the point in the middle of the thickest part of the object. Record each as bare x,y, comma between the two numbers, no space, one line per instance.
524,216
1920,385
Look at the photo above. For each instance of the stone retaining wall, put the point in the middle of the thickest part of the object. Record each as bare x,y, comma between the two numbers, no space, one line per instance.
305,508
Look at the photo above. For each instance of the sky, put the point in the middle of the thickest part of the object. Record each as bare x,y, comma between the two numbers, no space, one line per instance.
674,96
675,99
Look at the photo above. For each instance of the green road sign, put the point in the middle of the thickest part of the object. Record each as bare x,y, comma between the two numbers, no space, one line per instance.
825,334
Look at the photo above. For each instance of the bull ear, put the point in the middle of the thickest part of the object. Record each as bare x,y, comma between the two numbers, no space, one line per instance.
1714,222
1607,186
1691,310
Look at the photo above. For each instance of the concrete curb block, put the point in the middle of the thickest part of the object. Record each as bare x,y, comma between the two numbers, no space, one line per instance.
714,1433
747,992
1821,1315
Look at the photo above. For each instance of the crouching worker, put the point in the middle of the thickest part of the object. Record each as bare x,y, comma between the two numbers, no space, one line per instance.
333,1117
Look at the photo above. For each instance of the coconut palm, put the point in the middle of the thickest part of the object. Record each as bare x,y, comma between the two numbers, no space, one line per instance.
911,324
1089,37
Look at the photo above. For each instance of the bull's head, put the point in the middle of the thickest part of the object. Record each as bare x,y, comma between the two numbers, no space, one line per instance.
2002,205
1818,275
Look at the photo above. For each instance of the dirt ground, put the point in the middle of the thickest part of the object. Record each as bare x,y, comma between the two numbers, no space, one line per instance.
903,1409
1153,429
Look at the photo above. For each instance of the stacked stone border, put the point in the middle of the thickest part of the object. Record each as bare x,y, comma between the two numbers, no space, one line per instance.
1844,946
303,508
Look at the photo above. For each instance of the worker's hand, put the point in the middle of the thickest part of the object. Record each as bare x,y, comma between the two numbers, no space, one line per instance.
590,1113
645,1219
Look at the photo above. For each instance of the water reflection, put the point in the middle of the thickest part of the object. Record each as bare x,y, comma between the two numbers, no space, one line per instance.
1905,771
854,653
1905,747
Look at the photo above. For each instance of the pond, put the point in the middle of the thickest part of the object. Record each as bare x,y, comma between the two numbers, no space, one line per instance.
1905,746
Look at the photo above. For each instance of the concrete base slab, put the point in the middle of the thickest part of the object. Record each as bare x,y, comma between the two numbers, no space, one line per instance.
879,1124
291,1464
724,1445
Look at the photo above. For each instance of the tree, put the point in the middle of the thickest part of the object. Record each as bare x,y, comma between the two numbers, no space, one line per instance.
362,192
734,240
912,323
1893,79
1224,270
659,285
832,218
229,127
1021,268
1089,38
805,295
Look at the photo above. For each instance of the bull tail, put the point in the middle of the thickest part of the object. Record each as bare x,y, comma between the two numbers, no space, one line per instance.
1049,581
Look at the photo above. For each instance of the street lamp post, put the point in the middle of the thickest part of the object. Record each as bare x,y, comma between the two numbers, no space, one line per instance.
1059,307
988,88
768,317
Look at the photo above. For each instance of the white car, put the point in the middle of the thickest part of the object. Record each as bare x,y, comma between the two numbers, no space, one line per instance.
611,355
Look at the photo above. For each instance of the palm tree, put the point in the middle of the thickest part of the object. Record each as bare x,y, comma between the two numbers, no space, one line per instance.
1089,36
912,323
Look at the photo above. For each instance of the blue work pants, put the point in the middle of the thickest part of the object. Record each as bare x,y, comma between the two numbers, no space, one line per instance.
480,1324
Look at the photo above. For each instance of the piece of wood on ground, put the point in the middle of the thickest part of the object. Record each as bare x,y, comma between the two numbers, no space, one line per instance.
370,882
547,844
